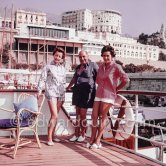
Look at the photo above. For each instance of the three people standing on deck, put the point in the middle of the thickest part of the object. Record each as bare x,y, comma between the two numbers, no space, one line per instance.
53,80
84,90
109,77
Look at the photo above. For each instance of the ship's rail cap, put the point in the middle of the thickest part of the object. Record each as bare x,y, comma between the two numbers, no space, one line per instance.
15,71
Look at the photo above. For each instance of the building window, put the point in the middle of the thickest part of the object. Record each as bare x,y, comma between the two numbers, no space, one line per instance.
141,54
10,25
31,18
3,23
26,17
36,19
42,20
7,24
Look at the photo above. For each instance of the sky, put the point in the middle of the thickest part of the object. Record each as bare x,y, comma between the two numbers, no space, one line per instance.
138,16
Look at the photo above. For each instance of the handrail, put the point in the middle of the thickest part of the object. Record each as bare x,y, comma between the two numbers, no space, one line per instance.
136,135
129,92
142,92
161,145
18,90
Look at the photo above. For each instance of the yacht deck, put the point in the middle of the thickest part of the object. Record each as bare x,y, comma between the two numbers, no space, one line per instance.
74,154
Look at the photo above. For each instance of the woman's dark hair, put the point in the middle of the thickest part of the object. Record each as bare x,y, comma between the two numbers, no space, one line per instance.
59,49
108,48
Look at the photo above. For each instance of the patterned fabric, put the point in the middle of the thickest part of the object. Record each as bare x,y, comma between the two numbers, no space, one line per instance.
53,79
84,88
108,79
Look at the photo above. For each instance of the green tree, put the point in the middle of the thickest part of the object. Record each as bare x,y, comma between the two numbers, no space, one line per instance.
162,56
5,53
143,38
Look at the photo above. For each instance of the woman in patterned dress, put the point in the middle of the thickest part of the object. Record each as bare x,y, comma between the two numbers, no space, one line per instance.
53,80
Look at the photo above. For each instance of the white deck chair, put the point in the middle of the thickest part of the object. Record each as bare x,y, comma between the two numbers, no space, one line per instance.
19,125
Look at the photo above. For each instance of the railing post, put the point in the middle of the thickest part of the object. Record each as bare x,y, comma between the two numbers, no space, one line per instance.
136,124
161,152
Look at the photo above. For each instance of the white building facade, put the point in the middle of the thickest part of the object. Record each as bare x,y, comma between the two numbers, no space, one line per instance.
124,46
84,29
93,21
106,21
6,30
35,41
78,19
23,17
106,28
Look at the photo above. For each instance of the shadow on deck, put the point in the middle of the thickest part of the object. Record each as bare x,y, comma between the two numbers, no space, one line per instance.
66,153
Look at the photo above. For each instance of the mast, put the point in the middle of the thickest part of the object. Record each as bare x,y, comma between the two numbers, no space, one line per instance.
11,39
45,34
44,49
2,42
29,54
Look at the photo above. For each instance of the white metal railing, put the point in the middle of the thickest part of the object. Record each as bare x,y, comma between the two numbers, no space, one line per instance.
159,144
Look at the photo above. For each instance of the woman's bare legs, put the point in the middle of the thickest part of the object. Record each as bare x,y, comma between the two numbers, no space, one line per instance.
54,114
95,114
54,107
104,108
59,105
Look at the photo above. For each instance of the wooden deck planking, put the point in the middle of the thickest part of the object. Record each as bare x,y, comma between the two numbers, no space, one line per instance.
66,153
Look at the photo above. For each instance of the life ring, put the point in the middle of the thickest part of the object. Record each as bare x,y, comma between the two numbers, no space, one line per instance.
125,127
